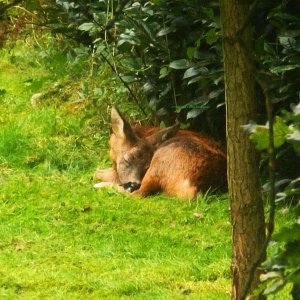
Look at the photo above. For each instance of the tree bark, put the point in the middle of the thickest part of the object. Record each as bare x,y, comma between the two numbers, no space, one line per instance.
247,213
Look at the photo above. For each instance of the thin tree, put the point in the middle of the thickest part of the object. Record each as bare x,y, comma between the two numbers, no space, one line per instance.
247,213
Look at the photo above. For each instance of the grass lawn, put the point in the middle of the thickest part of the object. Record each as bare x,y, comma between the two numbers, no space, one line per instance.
60,239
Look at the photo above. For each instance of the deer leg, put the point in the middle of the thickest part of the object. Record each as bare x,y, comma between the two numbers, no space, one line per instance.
148,186
107,175
109,178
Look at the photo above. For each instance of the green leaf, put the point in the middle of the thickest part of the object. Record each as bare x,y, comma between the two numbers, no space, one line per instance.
165,31
148,32
148,87
294,139
274,287
148,10
215,93
179,64
281,69
261,134
287,42
195,79
292,251
281,131
86,26
161,112
260,137
285,16
164,71
269,275
191,52
269,49
296,109
194,113
128,37
211,36
129,78
250,127
295,136
132,63
218,79
288,234
191,72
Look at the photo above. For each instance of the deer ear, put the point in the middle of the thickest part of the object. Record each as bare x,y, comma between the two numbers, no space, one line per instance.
121,128
159,137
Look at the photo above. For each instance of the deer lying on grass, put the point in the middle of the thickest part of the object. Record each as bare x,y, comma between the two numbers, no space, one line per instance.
146,160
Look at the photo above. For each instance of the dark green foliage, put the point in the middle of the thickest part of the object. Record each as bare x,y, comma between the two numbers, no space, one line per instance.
278,53
283,266
168,50
278,60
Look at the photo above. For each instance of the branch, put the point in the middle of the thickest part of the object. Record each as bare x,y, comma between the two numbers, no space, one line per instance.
248,19
125,84
237,36
119,10
272,192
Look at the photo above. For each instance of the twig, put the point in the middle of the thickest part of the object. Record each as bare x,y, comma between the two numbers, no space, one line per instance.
169,57
118,11
248,19
237,36
110,24
125,84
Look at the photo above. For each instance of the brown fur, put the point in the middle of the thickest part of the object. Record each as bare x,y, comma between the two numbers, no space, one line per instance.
178,163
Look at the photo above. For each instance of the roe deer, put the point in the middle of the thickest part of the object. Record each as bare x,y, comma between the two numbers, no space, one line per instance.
149,159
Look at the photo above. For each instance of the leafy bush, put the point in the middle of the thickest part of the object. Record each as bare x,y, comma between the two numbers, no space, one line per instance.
277,53
179,76
283,266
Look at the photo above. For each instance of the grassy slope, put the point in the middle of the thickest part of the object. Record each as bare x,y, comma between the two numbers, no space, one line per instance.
59,239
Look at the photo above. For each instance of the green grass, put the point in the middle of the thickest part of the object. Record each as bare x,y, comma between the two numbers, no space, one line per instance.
60,239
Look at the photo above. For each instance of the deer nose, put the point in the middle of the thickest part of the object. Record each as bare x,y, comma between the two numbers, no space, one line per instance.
131,186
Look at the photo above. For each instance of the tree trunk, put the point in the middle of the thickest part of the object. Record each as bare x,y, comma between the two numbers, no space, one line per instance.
247,214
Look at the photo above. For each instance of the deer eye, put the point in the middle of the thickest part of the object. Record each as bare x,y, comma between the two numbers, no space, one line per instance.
139,154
